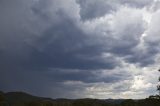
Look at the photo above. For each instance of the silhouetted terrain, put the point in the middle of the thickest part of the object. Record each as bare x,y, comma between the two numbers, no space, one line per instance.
24,99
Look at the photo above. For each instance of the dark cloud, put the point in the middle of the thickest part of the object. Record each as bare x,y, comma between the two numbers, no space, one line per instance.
62,48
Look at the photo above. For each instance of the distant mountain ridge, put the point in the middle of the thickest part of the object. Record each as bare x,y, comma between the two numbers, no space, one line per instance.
25,97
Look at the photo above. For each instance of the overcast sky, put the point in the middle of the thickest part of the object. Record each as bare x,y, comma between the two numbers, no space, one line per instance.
80,48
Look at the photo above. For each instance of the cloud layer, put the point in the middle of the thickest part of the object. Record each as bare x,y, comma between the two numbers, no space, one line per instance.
80,48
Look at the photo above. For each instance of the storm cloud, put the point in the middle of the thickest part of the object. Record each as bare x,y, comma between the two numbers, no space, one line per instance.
59,48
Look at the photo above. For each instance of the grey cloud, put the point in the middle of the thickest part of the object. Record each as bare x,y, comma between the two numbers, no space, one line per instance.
150,50
58,46
61,49
90,9
122,35
47,44
137,3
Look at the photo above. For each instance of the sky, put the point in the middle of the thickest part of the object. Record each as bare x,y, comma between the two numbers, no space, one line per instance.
80,48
